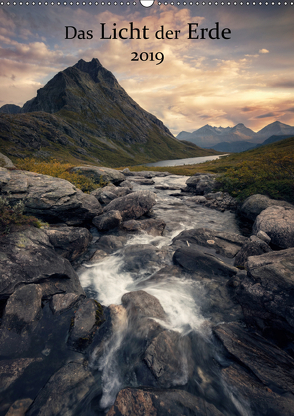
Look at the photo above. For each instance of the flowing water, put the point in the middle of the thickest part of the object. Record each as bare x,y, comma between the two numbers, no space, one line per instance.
182,299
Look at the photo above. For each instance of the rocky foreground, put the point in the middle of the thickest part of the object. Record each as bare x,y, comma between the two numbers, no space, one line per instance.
52,334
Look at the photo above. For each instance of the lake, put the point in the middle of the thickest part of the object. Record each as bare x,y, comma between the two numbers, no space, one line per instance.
187,161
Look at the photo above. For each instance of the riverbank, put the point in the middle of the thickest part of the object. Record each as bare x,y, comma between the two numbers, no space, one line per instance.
140,299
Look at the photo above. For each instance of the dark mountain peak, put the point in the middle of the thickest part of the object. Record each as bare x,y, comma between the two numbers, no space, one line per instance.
10,109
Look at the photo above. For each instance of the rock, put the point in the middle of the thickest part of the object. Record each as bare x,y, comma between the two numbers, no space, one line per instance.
255,204
5,162
11,370
50,199
140,304
271,366
278,224
69,242
150,226
226,244
23,307
107,221
97,256
126,184
88,317
110,192
142,181
200,184
67,392
110,243
169,358
251,248
132,206
204,264
28,257
118,315
144,173
61,302
19,407
4,177
266,292
139,256
100,174
152,402
263,236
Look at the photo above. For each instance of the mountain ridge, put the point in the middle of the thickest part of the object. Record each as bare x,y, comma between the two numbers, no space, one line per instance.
83,114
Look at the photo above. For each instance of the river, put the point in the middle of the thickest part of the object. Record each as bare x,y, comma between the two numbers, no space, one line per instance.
183,300
187,161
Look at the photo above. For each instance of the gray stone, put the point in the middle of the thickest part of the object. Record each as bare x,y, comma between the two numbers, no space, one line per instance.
50,199
134,205
255,204
226,244
150,226
69,242
251,248
201,184
11,370
4,177
107,221
100,174
110,243
263,236
26,256
143,181
19,407
5,162
278,224
62,302
110,192
140,304
203,264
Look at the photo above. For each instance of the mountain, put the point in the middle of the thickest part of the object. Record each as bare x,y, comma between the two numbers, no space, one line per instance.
208,136
83,114
10,109
274,139
227,139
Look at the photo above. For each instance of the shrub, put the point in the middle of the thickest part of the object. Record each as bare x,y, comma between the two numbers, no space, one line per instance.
13,215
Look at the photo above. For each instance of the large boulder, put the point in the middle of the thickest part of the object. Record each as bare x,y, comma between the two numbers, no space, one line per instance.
69,242
152,402
254,247
28,257
132,206
50,199
266,291
255,204
5,162
141,304
150,226
200,184
108,193
278,224
204,264
226,244
107,221
100,174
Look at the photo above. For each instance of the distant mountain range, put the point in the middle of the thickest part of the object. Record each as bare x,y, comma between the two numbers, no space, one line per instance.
235,139
83,114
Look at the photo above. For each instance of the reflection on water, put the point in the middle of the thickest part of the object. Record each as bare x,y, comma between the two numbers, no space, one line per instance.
187,161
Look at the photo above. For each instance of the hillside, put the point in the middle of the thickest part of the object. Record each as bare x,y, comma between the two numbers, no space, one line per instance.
83,115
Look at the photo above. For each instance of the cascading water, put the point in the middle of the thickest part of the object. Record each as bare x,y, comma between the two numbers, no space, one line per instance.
182,300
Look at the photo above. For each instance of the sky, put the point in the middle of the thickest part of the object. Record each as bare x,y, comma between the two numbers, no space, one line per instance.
247,78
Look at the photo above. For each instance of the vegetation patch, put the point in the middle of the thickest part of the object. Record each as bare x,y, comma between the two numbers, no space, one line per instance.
11,216
59,170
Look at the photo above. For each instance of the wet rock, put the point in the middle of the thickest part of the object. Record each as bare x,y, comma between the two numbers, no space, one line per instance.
138,256
19,407
88,317
200,184
126,184
28,257
110,243
266,292
97,256
69,242
108,193
134,205
61,302
204,264
152,402
51,199
67,392
100,174
255,204
226,244
140,304
169,358
23,307
263,401
107,221
143,181
251,248
11,370
278,224
271,366
5,162
150,226
144,173
118,315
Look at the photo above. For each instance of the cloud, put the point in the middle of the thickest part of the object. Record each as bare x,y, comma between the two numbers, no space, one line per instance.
291,109
268,115
263,51
283,84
